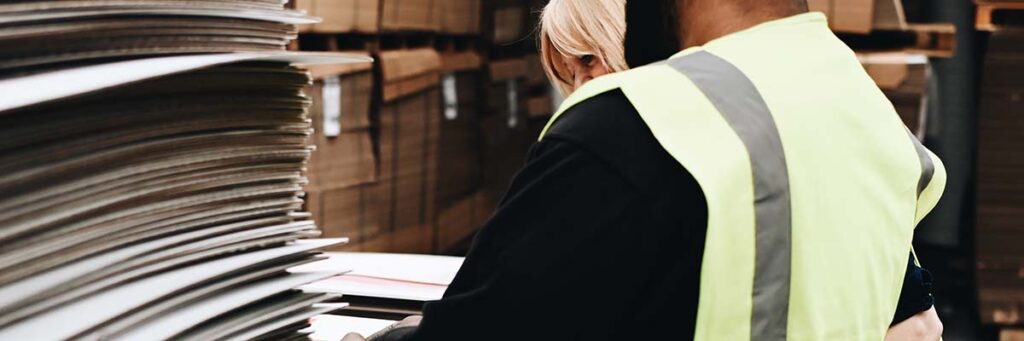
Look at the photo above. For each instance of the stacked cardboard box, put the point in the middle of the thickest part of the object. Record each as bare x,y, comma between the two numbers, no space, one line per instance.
344,162
410,15
861,16
459,166
504,125
341,16
460,16
410,117
508,21
999,232
903,78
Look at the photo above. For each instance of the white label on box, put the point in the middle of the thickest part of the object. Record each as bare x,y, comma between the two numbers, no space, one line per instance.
332,106
451,99
513,103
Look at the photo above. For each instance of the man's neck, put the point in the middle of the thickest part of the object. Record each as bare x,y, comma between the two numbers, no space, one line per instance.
701,21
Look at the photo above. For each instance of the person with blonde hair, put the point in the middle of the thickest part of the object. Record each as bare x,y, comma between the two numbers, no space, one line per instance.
744,179
582,40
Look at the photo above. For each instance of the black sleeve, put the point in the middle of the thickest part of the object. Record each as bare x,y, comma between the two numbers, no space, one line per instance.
916,295
554,250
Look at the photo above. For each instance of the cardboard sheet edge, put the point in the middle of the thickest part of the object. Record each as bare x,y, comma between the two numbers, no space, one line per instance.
26,91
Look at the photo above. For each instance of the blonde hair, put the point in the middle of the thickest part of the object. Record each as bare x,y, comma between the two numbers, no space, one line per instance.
574,28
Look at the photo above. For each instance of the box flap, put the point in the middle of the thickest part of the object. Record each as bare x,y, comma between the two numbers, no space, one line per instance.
320,71
399,65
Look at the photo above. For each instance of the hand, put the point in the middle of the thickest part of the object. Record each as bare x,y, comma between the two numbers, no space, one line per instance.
924,326
353,337
411,321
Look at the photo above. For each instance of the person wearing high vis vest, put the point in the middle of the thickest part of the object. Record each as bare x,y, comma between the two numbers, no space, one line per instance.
756,185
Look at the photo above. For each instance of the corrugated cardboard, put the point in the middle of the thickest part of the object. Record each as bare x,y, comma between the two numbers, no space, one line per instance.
405,72
508,24
506,69
459,168
460,16
409,148
344,213
460,61
410,15
861,16
341,16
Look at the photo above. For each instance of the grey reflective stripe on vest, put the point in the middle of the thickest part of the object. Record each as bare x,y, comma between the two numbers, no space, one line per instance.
927,165
742,106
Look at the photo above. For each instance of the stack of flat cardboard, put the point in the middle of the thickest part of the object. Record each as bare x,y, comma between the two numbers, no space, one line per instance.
156,198
504,125
460,154
38,34
410,15
344,161
508,21
460,16
410,120
341,16
999,231
903,78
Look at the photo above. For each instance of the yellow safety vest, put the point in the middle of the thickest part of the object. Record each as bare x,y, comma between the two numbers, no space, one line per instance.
813,183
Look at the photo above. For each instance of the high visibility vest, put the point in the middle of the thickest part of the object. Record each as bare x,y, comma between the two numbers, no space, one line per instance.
813,183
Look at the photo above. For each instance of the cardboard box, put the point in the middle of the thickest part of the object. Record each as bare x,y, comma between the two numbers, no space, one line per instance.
340,116
460,153
508,24
405,72
341,16
344,213
460,16
861,16
410,15
410,118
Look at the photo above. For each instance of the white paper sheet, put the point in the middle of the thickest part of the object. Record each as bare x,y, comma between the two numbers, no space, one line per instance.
427,269
334,327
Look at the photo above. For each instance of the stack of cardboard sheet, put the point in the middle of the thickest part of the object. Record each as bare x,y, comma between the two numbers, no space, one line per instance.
344,162
410,15
38,34
1000,232
460,174
410,122
460,16
341,16
154,198
504,127
507,21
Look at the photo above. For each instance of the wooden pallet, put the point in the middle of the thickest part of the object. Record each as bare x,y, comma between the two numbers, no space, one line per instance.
456,43
933,40
996,15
